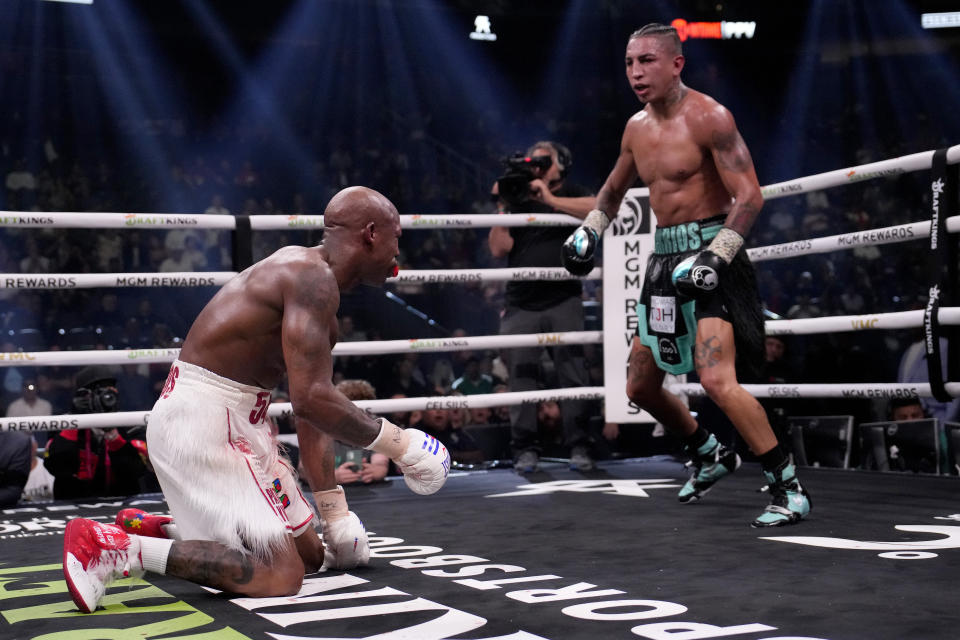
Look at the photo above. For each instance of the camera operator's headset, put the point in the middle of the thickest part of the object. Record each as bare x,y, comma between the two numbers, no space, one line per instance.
564,157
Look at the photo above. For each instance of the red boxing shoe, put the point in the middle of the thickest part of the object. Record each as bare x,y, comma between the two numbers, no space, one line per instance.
95,554
141,523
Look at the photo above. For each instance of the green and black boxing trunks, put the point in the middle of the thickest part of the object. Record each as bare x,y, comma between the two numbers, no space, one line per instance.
668,320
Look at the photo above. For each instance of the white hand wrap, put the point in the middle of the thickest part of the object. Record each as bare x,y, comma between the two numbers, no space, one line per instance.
392,441
597,220
726,244
422,459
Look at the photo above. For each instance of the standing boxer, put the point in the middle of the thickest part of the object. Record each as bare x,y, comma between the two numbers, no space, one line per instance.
699,306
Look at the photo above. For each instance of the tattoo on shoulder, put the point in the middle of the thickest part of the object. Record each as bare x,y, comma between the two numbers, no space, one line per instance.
314,288
732,152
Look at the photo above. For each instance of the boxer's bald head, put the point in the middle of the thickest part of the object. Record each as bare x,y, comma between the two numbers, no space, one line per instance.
354,207
361,233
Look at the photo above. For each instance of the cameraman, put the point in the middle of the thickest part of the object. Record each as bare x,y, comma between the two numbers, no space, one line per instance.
93,462
536,183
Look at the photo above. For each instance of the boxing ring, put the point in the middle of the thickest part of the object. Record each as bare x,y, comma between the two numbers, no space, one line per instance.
929,318
480,571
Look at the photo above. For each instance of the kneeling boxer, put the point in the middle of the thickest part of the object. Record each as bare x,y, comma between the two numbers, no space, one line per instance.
209,441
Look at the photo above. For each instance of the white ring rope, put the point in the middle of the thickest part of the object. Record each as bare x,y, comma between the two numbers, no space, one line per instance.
492,275
432,221
848,390
850,175
826,244
260,222
871,237
869,171
284,409
831,324
373,347
800,326
78,220
886,235
488,400
220,278
109,280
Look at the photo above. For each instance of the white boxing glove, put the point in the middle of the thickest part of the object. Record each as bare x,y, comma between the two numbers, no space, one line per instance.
346,544
423,460
425,464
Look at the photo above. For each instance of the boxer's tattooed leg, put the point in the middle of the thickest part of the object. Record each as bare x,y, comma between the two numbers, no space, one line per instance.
210,564
640,357
708,353
639,361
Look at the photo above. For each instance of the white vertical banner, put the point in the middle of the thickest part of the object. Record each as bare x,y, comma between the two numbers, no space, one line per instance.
626,245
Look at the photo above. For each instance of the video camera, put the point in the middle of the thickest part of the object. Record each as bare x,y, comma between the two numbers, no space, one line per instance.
96,390
514,185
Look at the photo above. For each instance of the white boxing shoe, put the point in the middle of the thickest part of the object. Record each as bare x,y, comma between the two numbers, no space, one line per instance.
345,543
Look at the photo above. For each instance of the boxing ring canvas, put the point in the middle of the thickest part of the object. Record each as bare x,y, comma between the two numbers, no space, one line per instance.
558,555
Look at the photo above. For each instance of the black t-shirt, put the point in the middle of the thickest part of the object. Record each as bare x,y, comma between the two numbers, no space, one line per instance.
540,247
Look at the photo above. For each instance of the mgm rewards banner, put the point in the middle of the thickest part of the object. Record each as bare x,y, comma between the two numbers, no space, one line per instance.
627,243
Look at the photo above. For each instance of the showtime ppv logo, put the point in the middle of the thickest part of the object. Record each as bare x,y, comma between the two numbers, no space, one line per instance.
713,30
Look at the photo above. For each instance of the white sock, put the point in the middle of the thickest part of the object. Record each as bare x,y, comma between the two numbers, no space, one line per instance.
171,530
154,552
332,504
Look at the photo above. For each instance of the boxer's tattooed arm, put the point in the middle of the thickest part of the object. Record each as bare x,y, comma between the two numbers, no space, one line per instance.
608,201
735,167
732,152
708,353
741,216
210,564
354,427
621,178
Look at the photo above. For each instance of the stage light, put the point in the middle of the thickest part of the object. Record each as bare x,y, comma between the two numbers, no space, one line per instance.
482,29
943,20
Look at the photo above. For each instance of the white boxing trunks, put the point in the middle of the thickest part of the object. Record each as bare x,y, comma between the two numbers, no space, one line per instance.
217,462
